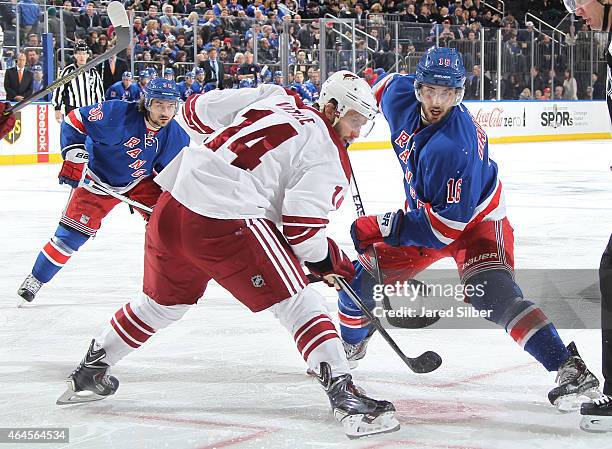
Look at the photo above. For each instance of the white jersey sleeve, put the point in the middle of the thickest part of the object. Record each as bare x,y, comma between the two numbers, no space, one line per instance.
202,114
278,160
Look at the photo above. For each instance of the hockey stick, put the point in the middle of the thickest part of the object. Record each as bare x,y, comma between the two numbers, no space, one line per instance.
416,322
119,19
123,198
424,363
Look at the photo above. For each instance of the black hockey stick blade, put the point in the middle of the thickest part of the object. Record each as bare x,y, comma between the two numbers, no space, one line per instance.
425,363
119,19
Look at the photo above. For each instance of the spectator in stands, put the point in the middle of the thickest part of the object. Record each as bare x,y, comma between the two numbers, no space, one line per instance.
361,17
265,53
472,89
510,20
570,87
546,94
234,7
29,13
537,95
249,70
90,18
32,57
214,72
424,15
100,47
301,63
599,88
233,70
69,20
153,31
112,70
558,93
18,80
168,17
184,7
410,14
525,94
369,76
538,80
511,88
153,14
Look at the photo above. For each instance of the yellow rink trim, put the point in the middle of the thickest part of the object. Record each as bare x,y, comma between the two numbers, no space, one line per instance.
14,159
376,145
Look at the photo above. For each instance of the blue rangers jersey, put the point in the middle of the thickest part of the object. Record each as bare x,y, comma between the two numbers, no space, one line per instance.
118,92
185,90
121,148
450,182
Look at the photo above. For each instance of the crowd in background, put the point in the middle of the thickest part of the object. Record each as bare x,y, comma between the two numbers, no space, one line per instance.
212,44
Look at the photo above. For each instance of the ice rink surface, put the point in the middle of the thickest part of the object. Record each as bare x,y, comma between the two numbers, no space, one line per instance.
226,378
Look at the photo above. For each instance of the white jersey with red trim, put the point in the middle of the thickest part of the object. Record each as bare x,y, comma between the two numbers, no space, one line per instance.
272,158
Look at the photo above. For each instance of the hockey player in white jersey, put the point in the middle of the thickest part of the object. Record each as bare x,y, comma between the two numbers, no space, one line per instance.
270,163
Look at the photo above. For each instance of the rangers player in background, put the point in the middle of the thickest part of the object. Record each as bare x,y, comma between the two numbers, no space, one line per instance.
454,208
597,415
272,162
124,161
124,90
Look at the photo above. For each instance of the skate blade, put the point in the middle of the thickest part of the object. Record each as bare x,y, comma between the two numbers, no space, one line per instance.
78,397
571,402
359,426
596,424
22,302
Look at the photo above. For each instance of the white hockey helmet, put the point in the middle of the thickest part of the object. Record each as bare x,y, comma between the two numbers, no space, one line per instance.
350,92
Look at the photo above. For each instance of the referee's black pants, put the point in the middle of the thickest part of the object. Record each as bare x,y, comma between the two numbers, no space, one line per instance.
605,285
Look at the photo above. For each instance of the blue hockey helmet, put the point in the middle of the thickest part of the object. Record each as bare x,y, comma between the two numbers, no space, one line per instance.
144,74
126,75
152,72
278,74
161,89
441,66
168,71
189,74
199,71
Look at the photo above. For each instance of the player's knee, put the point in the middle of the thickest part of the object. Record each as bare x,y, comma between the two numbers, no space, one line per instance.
298,309
157,315
497,292
69,239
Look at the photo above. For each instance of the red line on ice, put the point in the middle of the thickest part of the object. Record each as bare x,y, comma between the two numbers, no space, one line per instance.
259,431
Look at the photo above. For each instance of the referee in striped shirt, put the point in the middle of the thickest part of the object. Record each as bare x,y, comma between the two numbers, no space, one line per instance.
84,90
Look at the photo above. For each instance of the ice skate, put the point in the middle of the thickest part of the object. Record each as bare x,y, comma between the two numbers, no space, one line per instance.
357,351
28,290
90,381
574,380
597,415
360,415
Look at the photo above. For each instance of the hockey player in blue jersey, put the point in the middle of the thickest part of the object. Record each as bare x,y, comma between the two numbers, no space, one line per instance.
454,208
119,145
124,90
186,86
169,73
143,80
298,86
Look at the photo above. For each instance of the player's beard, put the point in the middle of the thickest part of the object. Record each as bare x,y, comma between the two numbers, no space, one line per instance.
160,122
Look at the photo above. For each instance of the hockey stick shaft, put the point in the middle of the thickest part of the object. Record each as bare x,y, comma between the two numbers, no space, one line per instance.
425,363
123,198
123,40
